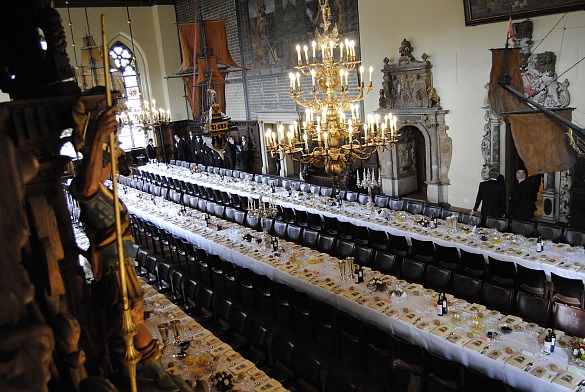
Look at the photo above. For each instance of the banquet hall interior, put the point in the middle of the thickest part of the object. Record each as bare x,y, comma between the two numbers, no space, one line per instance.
307,195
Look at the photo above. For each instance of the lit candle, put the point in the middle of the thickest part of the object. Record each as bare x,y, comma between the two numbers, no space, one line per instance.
341,52
306,50
168,115
274,139
341,78
268,132
352,45
281,132
314,46
299,53
365,132
325,139
291,76
371,70
318,132
306,141
349,130
383,130
313,72
362,75
346,78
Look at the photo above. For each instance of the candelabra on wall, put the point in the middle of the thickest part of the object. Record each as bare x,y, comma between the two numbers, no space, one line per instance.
327,137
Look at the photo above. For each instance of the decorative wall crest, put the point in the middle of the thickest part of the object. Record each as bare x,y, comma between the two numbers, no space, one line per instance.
408,83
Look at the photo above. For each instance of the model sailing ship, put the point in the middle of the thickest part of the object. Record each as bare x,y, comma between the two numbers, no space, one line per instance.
91,71
546,138
206,63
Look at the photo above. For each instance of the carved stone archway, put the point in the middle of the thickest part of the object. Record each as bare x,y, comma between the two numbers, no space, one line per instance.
408,94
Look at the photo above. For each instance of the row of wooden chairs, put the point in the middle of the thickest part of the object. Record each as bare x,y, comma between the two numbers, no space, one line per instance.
293,368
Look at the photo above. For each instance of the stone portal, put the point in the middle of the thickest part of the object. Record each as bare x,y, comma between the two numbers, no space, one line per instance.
408,93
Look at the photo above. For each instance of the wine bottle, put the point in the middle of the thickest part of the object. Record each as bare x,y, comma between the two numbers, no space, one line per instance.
360,274
445,304
356,273
553,341
539,245
440,305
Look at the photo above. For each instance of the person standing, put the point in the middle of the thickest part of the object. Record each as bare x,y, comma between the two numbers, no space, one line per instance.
523,198
150,151
230,153
492,197
245,155
181,148
192,147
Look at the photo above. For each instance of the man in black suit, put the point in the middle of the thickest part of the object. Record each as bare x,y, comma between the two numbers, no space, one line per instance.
523,198
193,147
230,153
245,154
492,197
150,151
181,148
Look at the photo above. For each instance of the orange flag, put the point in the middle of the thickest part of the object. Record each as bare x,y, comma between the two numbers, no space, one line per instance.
510,28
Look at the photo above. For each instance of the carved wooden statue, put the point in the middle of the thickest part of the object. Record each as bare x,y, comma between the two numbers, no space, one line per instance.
97,214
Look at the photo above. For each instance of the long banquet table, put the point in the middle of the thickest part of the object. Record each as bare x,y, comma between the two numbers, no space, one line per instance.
206,354
562,259
404,309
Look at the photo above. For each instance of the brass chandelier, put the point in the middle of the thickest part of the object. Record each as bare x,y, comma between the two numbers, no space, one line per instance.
327,137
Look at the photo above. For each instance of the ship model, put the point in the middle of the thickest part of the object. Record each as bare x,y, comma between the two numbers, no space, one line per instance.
206,63
91,71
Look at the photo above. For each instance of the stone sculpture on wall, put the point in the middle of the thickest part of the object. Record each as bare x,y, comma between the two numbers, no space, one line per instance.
411,85
408,93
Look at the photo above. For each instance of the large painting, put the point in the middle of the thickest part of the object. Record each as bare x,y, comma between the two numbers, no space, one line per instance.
487,11
271,29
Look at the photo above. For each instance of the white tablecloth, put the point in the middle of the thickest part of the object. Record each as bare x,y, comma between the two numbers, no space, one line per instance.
561,259
309,271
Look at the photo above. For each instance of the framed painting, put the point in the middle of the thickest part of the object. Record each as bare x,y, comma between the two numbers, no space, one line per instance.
488,11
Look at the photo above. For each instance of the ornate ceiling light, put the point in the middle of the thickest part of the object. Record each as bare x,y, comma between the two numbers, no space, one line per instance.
327,138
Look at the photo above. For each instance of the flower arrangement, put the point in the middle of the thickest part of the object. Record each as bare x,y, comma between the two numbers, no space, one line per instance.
422,221
196,169
223,381
377,284
578,348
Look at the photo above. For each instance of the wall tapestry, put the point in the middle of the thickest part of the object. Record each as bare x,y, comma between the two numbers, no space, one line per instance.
270,30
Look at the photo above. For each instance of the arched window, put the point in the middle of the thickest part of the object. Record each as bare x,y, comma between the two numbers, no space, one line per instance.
130,136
